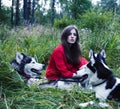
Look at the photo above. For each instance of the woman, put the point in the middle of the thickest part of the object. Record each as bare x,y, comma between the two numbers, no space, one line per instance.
66,58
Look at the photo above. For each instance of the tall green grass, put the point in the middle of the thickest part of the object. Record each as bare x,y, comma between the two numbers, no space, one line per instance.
39,42
107,40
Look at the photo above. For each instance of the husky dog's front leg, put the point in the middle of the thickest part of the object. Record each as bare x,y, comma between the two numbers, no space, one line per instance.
102,99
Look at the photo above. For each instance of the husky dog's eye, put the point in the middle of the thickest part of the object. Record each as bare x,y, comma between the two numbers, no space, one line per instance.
33,62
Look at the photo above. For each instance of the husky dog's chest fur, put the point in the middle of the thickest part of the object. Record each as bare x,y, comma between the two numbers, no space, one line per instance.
103,93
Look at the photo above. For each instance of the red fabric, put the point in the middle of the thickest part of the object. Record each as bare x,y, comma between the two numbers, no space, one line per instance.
58,66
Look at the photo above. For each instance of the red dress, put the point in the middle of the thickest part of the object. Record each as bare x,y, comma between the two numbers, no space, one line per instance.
58,67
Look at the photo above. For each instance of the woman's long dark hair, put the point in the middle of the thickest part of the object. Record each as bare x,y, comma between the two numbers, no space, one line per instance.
72,51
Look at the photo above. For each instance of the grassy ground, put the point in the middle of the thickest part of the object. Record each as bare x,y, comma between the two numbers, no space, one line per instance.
39,42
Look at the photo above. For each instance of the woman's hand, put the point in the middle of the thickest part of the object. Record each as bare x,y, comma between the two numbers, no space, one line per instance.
74,74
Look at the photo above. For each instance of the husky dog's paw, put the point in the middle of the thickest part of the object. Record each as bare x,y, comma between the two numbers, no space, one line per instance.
33,82
86,104
36,82
104,105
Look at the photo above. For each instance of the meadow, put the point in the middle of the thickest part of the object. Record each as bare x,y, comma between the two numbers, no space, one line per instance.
39,41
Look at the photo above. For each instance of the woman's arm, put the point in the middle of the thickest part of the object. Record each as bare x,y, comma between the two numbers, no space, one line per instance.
61,64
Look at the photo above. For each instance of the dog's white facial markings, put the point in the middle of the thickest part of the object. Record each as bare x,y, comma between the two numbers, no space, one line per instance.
33,67
94,80
19,57
36,65
84,71
92,77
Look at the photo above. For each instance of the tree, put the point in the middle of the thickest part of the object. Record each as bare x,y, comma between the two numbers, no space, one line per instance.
74,8
0,5
17,13
29,9
52,12
118,8
5,15
12,13
108,5
33,11
26,11
77,7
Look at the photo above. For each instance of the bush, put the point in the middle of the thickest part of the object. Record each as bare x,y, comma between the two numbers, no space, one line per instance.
96,20
5,15
62,23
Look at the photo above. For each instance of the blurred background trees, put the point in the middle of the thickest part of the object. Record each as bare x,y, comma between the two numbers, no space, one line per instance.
50,12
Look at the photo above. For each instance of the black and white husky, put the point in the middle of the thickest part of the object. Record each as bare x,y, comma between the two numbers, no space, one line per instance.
101,78
27,67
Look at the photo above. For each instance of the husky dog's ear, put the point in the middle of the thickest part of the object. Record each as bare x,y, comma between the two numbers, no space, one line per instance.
103,53
19,57
91,57
90,53
15,65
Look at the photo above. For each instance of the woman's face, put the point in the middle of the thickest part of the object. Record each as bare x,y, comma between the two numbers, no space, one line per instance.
72,37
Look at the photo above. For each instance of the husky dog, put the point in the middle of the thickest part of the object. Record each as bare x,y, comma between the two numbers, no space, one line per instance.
27,67
101,78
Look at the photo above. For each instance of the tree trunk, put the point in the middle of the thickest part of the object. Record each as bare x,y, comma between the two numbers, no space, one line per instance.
12,14
0,5
26,11
29,9
114,10
33,10
52,12
17,13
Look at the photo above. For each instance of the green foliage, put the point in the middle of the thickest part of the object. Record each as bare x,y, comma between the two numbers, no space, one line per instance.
96,20
78,7
5,15
61,23
4,32
110,5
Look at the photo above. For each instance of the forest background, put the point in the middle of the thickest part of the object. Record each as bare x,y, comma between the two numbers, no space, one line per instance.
35,30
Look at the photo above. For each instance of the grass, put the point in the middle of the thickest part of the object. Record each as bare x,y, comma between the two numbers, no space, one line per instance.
36,98
39,42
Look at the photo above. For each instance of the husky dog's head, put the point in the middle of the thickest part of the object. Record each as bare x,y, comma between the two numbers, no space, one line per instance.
96,71
27,66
